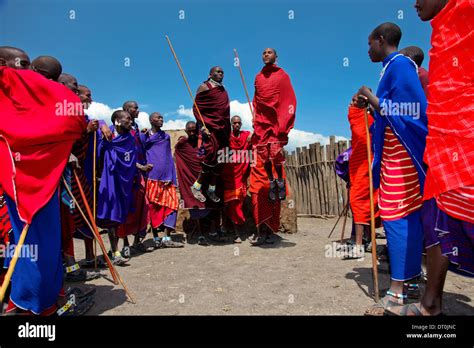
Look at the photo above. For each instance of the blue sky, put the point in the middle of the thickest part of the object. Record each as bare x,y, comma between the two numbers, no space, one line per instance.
311,47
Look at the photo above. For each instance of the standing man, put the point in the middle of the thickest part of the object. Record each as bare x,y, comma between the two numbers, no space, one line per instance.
137,221
235,173
448,207
274,106
161,182
399,142
213,103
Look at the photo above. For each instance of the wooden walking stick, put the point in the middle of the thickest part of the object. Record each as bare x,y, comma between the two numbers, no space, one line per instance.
13,261
243,82
372,209
344,222
337,221
94,191
186,82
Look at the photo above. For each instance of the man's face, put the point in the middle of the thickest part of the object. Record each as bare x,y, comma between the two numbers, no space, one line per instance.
191,131
86,96
20,61
71,83
157,121
375,49
236,124
428,9
132,109
125,121
269,56
217,74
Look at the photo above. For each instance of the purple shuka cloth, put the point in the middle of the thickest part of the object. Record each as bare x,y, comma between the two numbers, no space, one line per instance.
158,153
115,190
342,165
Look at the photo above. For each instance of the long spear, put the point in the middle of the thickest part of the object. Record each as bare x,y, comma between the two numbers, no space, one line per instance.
243,82
372,212
186,82
12,265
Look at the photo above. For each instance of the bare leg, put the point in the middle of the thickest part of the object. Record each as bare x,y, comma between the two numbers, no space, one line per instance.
359,230
113,239
88,245
279,170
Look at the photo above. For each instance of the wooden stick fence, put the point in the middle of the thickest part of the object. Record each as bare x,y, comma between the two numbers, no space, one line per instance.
317,190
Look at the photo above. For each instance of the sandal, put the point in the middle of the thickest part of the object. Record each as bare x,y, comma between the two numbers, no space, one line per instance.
80,294
412,308
168,243
384,304
89,264
118,259
142,248
202,241
75,274
75,308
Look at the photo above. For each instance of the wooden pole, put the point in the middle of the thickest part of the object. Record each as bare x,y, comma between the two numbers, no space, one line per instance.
12,265
243,82
94,192
186,81
372,211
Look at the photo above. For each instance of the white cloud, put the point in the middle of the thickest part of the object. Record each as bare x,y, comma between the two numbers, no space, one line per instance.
104,112
297,138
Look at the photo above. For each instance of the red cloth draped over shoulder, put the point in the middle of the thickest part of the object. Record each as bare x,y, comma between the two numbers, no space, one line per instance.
188,167
449,151
359,168
234,174
214,106
41,119
274,105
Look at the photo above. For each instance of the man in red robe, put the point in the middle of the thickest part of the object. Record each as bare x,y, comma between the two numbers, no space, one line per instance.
274,107
448,207
213,106
235,173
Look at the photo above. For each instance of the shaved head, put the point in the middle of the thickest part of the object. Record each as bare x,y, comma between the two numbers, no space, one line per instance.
47,66
69,81
85,95
132,107
390,32
414,53
14,58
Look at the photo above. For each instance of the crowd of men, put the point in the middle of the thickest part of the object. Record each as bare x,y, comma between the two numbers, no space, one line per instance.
63,176
119,180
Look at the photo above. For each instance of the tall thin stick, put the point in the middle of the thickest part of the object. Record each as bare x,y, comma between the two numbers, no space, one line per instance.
94,191
243,82
12,265
185,81
372,210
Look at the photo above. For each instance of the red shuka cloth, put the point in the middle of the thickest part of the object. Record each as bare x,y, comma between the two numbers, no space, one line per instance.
274,105
359,168
187,168
41,119
263,210
449,151
215,109
235,171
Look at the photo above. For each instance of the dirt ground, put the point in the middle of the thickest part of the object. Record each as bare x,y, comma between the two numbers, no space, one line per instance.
297,275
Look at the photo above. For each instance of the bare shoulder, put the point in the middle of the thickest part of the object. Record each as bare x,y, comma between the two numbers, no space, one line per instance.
202,87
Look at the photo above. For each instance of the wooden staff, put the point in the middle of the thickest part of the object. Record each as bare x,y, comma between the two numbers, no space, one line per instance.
12,265
186,82
94,191
243,82
339,218
113,270
345,218
372,212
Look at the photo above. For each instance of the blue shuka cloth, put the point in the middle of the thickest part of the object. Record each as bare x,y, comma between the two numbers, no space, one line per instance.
403,108
37,279
398,86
